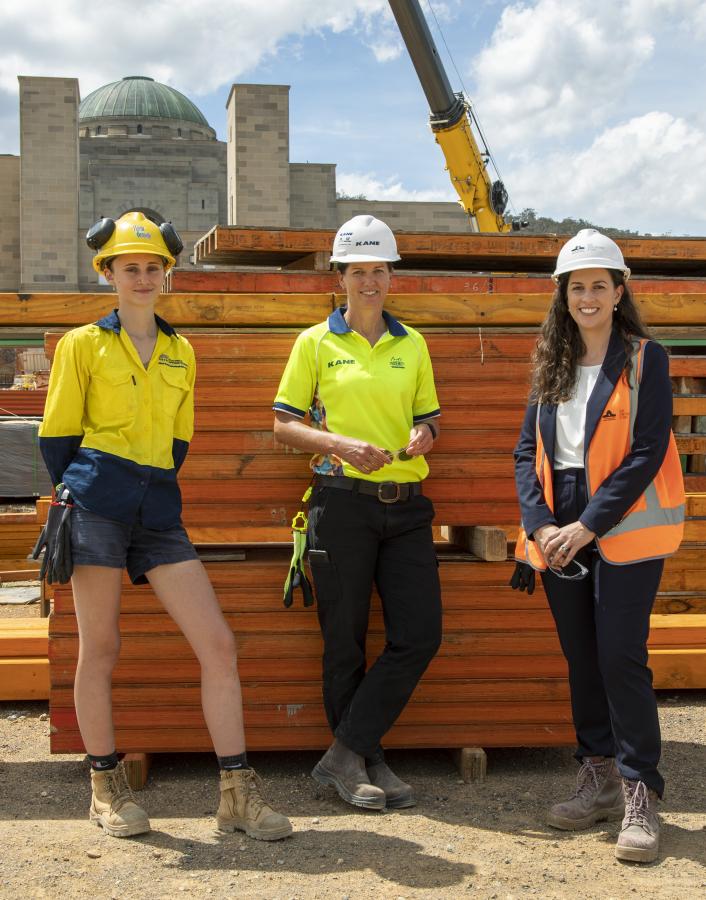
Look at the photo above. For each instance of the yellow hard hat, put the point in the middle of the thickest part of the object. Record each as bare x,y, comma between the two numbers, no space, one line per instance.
133,233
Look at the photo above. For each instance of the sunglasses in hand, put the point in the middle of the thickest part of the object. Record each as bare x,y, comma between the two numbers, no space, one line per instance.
401,455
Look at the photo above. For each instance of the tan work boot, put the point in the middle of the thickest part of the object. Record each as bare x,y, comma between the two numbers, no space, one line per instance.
639,836
398,794
113,806
243,808
598,797
344,770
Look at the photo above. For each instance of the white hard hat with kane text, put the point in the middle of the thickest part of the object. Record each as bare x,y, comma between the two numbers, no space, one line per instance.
364,239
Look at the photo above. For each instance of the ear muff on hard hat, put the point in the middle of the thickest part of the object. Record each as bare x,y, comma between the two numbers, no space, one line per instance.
133,233
364,239
589,249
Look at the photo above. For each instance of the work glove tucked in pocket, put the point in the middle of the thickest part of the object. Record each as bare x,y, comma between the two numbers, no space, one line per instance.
55,540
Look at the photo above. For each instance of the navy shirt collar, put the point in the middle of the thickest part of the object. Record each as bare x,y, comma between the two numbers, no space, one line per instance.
338,325
111,322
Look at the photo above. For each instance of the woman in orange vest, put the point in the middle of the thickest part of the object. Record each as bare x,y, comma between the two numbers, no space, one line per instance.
602,500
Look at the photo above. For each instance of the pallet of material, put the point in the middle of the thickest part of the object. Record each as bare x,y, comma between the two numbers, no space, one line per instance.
24,663
243,246
498,680
235,464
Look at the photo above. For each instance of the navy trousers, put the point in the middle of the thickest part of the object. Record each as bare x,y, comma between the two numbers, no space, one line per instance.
603,622
365,542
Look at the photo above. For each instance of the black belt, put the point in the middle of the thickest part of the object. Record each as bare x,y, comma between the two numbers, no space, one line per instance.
385,491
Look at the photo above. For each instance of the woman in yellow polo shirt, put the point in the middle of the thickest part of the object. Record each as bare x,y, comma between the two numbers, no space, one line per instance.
117,425
367,384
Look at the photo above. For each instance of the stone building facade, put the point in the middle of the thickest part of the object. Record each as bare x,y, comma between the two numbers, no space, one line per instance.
139,144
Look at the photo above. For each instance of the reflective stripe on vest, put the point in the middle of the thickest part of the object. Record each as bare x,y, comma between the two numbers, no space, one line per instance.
653,526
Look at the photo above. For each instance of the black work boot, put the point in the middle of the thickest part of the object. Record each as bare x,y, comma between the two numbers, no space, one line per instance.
398,795
344,770
598,797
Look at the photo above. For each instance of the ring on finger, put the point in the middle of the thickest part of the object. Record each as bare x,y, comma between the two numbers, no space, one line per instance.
564,548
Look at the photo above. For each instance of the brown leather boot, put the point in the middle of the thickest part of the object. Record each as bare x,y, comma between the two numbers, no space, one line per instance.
598,797
344,770
242,807
398,795
638,840
113,806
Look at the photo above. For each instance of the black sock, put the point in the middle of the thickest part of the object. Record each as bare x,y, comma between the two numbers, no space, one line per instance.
104,763
231,763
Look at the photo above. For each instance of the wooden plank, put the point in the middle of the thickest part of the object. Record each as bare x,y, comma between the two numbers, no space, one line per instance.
153,671
682,669
281,310
190,281
23,637
317,738
527,253
483,541
428,691
24,678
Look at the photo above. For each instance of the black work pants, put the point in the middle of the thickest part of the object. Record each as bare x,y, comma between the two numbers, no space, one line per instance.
603,622
367,541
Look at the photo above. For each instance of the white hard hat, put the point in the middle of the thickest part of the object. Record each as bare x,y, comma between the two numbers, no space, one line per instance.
590,249
364,239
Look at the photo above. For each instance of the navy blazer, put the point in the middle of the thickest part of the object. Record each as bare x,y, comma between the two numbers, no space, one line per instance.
621,489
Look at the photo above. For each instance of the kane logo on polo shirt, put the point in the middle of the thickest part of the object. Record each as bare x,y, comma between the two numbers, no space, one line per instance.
165,360
341,362
396,362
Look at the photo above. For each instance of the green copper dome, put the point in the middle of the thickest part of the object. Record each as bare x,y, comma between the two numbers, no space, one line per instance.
138,97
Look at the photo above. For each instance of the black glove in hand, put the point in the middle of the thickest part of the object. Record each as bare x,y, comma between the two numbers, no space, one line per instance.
55,540
522,578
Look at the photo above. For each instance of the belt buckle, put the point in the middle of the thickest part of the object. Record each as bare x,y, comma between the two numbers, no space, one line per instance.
385,484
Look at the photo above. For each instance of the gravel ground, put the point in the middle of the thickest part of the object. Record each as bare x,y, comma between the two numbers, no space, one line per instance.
462,840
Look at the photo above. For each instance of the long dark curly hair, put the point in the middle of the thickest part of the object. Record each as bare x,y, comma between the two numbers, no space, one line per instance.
560,346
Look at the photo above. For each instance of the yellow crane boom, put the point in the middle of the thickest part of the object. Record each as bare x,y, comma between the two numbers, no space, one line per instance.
451,123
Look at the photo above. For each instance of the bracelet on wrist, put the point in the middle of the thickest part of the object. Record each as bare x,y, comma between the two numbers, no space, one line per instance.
431,428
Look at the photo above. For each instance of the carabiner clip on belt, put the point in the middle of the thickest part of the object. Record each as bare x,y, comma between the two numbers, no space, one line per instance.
297,576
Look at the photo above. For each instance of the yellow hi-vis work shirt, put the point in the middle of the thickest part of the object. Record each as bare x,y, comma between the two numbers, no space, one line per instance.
374,394
114,431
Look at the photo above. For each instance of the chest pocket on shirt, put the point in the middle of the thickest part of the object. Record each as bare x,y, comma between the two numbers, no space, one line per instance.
173,389
111,400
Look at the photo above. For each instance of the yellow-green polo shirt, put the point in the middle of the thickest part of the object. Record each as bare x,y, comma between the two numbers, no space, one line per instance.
374,394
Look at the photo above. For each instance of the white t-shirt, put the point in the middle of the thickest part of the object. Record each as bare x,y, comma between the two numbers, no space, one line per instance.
571,421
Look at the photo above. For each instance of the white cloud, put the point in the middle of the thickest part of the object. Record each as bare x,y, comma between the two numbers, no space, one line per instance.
374,188
196,45
643,173
553,68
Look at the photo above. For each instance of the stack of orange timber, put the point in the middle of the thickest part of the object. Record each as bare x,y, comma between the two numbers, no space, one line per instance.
24,664
499,678
18,534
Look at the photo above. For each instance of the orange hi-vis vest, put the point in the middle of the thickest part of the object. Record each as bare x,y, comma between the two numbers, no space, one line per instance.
654,525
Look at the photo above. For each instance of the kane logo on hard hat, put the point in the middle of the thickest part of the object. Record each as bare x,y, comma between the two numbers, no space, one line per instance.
367,243
578,248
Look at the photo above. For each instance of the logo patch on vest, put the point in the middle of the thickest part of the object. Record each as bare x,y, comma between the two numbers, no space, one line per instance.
609,415
396,362
341,362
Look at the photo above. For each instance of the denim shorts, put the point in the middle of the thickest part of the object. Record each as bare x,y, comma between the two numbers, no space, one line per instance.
96,541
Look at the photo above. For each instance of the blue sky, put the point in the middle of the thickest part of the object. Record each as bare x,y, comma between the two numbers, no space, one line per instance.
592,109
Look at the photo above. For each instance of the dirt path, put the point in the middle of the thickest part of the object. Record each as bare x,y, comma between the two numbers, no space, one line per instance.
484,840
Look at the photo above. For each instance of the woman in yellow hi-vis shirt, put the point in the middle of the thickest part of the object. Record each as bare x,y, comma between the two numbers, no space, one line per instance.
117,425
366,381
